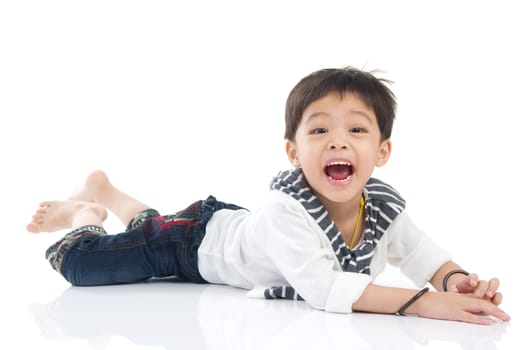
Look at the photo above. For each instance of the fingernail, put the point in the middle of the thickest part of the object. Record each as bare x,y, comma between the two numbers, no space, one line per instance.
505,317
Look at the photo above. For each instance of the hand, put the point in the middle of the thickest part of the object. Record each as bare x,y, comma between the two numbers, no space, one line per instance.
459,307
481,289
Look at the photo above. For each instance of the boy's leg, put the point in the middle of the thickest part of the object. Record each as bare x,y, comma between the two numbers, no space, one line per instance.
97,188
159,246
90,257
69,214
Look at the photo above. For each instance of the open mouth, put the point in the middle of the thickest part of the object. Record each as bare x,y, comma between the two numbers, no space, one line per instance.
339,171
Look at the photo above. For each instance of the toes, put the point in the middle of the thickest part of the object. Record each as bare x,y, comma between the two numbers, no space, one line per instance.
33,227
38,218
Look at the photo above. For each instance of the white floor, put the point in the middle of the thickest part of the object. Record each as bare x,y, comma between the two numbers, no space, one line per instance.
40,310
171,315
177,315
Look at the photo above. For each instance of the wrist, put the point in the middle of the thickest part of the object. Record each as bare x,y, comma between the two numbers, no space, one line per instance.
411,306
418,307
448,280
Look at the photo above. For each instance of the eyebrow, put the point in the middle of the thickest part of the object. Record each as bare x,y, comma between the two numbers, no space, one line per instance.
351,112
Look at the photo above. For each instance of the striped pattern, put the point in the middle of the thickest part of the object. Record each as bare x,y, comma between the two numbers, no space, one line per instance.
382,205
281,292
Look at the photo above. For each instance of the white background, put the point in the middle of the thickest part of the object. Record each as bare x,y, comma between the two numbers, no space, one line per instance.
177,100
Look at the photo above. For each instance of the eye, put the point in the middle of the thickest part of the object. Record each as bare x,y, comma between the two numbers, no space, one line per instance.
358,130
318,131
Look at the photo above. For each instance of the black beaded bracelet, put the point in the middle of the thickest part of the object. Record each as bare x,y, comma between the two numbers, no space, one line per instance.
449,274
402,310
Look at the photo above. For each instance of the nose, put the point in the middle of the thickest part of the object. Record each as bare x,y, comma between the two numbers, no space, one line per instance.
337,141
335,146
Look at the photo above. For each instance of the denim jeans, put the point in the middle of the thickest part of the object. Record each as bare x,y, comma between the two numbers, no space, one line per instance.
151,246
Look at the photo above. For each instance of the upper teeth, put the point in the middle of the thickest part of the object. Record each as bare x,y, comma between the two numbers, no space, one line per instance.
339,163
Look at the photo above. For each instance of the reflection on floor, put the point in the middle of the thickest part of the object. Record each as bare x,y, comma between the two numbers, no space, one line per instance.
189,316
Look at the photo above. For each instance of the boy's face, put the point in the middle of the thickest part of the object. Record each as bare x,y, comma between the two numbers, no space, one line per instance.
337,144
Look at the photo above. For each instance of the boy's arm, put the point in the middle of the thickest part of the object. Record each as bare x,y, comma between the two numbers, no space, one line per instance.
466,283
468,297
424,258
437,305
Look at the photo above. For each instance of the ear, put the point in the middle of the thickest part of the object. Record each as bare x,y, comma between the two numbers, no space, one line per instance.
292,154
383,153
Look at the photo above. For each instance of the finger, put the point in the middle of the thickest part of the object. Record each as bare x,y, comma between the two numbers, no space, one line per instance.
497,299
473,318
494,284
499,314
488,309
468,284
481,289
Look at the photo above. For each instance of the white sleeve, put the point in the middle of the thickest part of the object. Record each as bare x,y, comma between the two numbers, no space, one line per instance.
417,256
295,245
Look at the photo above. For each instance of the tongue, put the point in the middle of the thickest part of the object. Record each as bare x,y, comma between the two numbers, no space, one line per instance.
338,172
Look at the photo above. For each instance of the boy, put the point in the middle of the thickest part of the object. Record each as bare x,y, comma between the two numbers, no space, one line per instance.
325,232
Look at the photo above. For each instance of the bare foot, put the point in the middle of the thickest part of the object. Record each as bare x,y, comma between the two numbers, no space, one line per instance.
57,215
96,183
